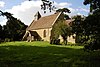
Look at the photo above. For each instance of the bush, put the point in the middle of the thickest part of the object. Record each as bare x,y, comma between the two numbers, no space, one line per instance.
93,45
7,40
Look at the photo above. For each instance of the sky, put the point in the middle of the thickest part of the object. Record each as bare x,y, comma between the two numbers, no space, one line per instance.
25,10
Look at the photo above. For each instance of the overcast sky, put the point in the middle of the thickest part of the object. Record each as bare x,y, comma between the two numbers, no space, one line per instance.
25,10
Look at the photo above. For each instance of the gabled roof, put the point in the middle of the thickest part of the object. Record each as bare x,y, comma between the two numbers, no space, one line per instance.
44,22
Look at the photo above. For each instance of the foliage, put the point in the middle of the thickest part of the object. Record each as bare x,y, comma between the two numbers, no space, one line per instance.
1,33
46,4
56,32
77,23
37,54
63,10
88,30
92,25
77,27
61,29
94,4
14,28
92,30
65,32
66,17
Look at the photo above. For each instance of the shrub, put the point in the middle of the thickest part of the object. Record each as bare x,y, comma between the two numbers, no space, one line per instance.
7,40
92,45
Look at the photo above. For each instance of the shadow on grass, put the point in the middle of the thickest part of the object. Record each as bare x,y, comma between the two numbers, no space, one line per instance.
50,56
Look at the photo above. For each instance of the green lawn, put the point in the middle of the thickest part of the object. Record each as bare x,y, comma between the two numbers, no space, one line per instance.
42,54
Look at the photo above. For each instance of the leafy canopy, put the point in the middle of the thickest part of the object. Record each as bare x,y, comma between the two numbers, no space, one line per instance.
94,4
14,28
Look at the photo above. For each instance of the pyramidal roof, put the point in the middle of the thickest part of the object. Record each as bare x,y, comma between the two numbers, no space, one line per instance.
44,22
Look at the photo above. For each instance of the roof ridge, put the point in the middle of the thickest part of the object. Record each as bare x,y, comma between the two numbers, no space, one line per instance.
37,20
48,15
48,20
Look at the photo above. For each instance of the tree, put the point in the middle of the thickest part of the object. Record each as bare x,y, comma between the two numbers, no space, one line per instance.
92,31
92,25
1,33
64,10
65,32
94,4
46,4
14,28
0,30
61,28
77,27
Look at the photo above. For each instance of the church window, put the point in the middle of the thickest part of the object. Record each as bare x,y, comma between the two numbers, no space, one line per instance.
44,33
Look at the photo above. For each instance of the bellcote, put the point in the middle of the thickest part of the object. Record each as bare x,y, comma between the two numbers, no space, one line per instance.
37,16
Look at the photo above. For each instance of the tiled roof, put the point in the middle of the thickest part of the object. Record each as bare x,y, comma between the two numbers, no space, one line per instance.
44,22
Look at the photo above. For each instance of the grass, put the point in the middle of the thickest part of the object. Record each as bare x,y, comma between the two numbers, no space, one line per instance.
42,54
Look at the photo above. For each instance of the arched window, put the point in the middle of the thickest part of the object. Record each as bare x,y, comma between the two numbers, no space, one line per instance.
44,33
